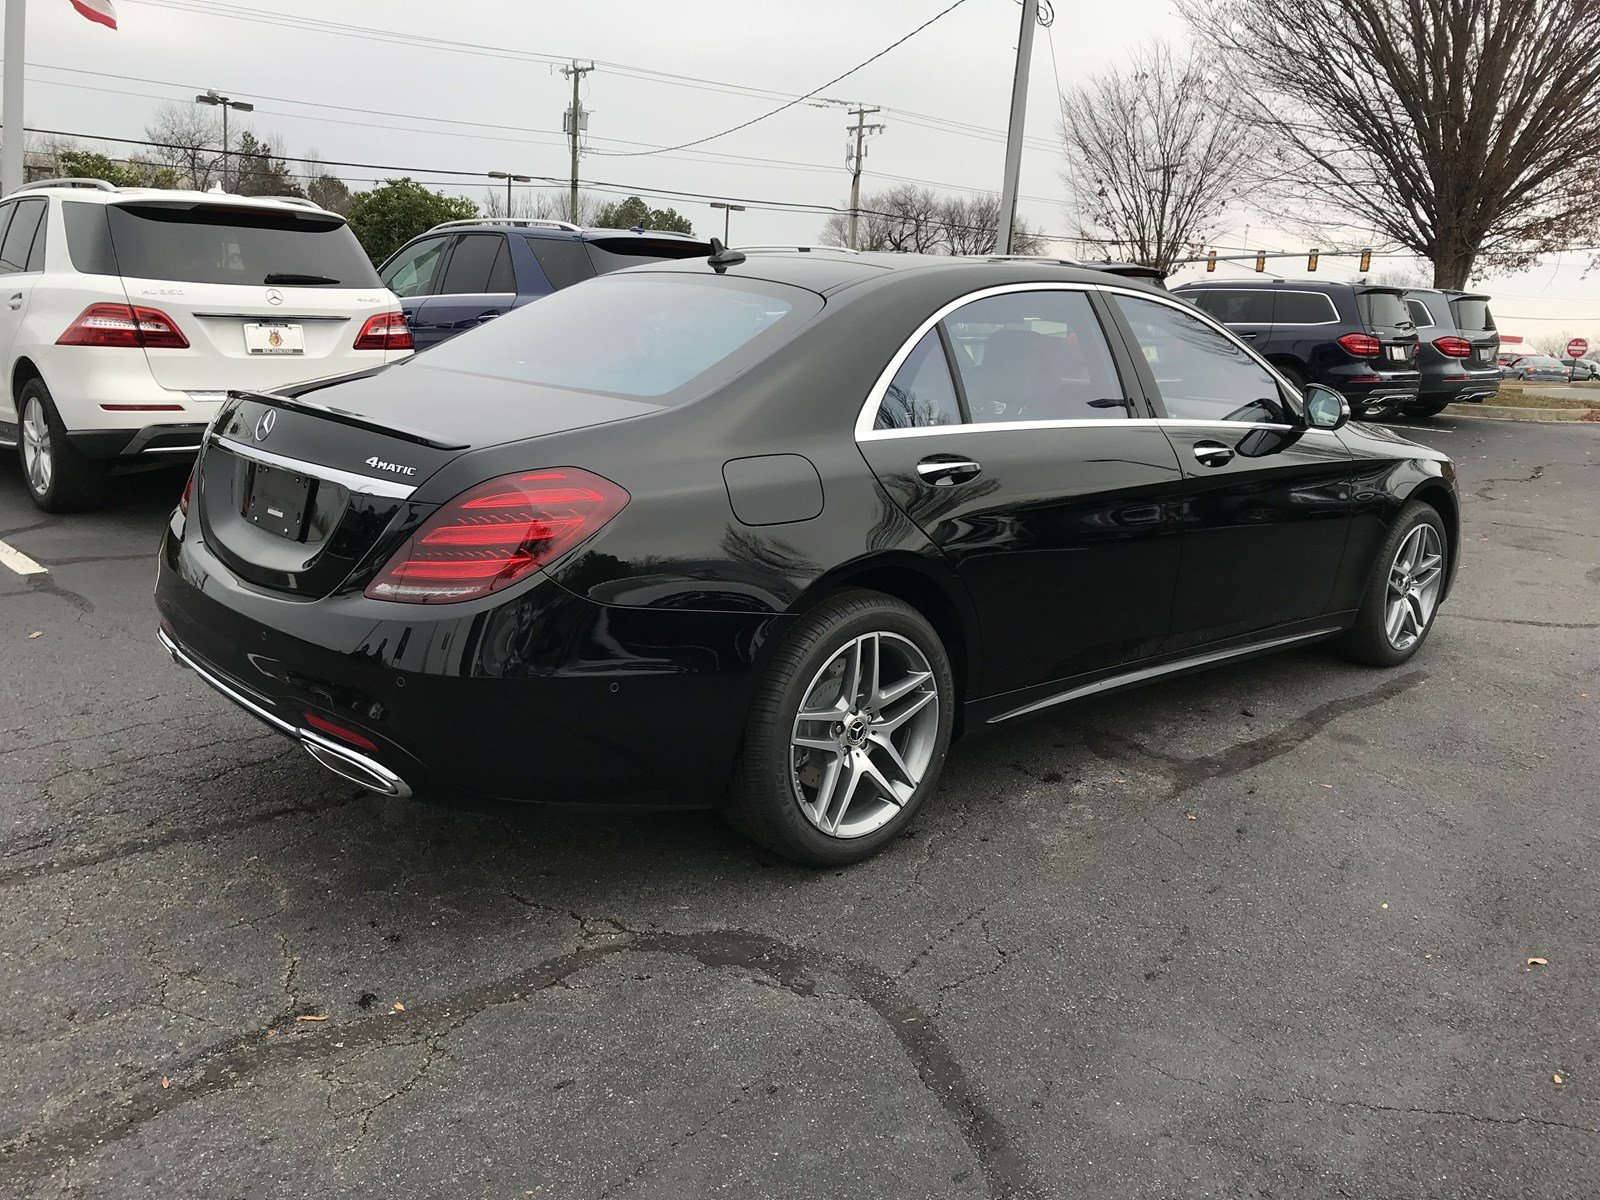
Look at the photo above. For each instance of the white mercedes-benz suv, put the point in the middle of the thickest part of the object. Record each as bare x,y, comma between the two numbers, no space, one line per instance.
127,314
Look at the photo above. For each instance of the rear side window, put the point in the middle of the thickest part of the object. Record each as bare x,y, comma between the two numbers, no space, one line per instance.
228,244
1305,308
88,238
480,263
922,392
411,272
647,336
26,217
564,261
1472,314
614,253
1383,310
1035,356
1421,315
1235,308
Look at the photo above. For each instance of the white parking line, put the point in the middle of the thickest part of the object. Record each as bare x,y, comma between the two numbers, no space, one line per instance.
19,562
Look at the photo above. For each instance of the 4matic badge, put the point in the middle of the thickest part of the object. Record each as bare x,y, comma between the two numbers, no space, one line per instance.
378,464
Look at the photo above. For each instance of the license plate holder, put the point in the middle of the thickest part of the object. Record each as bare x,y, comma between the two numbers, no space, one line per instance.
279,502
274,337
1399,353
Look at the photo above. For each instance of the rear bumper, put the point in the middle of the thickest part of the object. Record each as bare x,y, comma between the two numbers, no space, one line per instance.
1453,384
177,441
545,697
1370,389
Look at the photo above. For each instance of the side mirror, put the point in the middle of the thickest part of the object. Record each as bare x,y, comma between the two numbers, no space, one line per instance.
1325,408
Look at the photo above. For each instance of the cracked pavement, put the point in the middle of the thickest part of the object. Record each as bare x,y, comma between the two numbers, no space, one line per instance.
1258,932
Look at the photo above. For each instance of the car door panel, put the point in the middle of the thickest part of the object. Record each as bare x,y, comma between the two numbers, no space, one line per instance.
412,274
477,285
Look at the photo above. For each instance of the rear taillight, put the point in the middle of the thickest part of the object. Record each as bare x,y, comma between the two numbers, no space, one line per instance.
497,533
1453,347
323,725
188,491
129,326
1362,345
385,331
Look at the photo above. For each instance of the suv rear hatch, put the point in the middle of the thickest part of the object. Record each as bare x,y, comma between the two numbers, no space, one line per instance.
1476,323
1383,311
265,296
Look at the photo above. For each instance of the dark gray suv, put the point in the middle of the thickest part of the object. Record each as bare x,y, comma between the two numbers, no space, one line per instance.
1457,345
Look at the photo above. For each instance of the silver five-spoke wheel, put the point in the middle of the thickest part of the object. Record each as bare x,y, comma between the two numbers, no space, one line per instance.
865,735
37,460
1416,578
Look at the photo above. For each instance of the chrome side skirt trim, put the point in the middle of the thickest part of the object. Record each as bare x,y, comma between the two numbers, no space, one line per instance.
1145,674
364,484
347,763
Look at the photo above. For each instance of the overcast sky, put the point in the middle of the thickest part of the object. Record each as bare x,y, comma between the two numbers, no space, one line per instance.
498,106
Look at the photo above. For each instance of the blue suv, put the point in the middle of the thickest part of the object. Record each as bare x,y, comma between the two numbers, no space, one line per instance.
460,274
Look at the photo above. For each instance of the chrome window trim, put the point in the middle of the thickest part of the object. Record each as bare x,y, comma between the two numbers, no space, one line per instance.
364,484
1333,308
869,410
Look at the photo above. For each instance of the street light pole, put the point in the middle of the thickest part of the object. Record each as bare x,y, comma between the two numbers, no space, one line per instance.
509,178
210,96
1019,114
727,214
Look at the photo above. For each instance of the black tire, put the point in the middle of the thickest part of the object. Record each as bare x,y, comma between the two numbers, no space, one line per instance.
72,482
1294,376
1426,408
764,799
1367,641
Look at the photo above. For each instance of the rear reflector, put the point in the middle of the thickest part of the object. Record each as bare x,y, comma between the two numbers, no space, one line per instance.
1362,345
385,331
497,533
1453,347
128,326
339,731
142,407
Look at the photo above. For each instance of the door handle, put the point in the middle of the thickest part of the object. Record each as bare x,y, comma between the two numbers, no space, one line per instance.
942,472
1249,337
15,301
488,316
1213,454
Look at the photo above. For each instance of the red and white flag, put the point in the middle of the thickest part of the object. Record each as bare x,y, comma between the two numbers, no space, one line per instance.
99,11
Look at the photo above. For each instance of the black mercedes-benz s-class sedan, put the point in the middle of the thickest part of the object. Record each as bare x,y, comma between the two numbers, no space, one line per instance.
766,531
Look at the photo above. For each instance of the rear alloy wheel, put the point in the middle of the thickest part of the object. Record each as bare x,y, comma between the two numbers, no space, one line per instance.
59,479
848,732
1404,590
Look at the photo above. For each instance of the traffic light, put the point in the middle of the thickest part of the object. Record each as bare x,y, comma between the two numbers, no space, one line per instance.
1261,260
1311,260
1211,261
1366,260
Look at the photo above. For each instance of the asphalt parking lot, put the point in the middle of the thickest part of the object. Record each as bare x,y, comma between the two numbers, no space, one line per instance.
1263,932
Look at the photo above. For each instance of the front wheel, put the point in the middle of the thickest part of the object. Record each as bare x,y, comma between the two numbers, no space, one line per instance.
1403,592
847,733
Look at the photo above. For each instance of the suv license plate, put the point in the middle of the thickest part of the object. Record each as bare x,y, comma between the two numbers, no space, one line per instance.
277,338
278,502
1399,353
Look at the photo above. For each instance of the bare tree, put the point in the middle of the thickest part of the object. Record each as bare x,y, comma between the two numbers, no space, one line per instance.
1155,152
918,220
541,205
1456,128
188,139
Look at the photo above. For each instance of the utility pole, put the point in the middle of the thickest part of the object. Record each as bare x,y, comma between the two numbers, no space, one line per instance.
575,124
11,150
1019,113
860,129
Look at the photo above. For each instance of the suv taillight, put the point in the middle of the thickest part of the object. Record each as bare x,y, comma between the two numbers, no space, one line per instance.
1362,345
385,331
130,326
501,531
188,491
1453,347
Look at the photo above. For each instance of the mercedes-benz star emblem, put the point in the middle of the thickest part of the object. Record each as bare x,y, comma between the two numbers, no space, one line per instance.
265,423
274,296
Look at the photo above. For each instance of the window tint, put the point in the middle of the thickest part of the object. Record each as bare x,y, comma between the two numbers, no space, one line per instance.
88,238
1238,308
1035,356
1420,316
184,243
633,335
412,273
1382,310
1472,314
564,261
1202,375
19,235
922,392
1304,308
473,264
614,253
36,253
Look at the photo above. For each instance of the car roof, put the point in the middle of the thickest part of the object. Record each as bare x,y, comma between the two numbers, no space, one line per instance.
98,191
542,227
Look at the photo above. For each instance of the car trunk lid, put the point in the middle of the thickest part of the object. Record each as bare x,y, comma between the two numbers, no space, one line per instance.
1384,312
1476,323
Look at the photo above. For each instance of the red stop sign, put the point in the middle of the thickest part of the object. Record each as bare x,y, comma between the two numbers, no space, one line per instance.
1577,348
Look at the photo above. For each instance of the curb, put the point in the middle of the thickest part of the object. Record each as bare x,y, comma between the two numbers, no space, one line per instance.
1499,412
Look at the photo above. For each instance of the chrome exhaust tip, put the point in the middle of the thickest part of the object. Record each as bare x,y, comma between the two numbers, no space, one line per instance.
357,769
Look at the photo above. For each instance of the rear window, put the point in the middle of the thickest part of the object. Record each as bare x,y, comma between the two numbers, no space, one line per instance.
217,244
1383,310
1472,314
1304,308
614,253
1241,307
650,336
